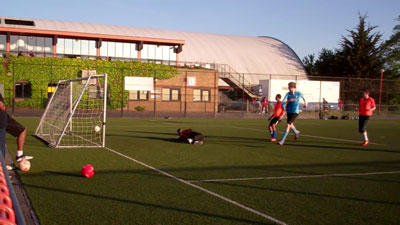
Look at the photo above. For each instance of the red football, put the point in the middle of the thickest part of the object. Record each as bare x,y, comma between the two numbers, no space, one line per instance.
87,171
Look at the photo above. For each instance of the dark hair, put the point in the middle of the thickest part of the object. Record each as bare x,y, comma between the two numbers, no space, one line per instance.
292,84
278,96
366,91
179,130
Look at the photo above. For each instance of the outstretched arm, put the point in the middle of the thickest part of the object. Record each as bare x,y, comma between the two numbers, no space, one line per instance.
305,103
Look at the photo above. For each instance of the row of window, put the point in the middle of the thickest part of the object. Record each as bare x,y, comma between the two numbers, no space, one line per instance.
23,90
77,47
41,45
171,94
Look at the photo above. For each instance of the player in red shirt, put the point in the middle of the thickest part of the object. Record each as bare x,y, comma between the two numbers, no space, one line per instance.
276,117
367,106
190,136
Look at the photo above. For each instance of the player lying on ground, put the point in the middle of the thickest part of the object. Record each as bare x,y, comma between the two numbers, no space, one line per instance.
190,136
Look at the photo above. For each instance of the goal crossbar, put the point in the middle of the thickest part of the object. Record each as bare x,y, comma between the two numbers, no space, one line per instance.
75,116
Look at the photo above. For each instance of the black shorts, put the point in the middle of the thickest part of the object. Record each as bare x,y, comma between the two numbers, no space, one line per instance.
197,136
362,123
13,127
275,121
291,117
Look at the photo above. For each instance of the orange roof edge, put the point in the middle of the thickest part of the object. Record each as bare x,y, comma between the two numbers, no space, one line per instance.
106,37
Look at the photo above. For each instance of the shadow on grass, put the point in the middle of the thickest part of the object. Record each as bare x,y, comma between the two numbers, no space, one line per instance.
144,204
364,149
68,174
310,194
267,170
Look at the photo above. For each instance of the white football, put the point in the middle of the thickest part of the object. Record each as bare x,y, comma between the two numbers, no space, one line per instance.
24,165
97,129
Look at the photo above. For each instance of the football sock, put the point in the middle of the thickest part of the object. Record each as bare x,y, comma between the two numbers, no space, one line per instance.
20,152
274,134
285,133
365,136
295,130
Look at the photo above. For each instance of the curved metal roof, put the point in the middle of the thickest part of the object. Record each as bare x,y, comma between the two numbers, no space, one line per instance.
255,55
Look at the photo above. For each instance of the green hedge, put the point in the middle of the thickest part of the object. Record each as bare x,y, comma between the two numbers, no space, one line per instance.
42,71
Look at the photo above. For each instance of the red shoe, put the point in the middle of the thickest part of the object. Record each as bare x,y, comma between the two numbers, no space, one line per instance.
296,136
365,143
272,139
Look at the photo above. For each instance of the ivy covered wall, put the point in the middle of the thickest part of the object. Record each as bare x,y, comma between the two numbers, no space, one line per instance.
42,71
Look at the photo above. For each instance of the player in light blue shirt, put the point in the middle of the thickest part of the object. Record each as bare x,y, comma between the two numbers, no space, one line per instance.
291,105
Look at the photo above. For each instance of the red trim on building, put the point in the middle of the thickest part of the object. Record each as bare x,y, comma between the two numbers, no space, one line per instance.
108,37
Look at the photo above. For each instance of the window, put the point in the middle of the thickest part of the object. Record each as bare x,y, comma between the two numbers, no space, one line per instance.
92,48
200,95
19,22
119,49
170,94
84,47
76,47
3,42
23,89
60,45
139,95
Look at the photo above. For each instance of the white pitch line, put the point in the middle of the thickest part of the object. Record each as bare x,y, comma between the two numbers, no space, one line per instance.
296,177
307,135
270,218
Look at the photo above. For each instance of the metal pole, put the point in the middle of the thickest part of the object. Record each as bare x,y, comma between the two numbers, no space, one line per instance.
104,111
122,93
215,94
380,91
13,98
242,94
154,90
185,94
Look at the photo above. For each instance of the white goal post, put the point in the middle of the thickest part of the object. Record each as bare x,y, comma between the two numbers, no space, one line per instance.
75,116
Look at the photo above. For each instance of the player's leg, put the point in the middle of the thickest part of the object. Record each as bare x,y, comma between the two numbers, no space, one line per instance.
198,139
272,129
286,132
17,130
362,128
295,131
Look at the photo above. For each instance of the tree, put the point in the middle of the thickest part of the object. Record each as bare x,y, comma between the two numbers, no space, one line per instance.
327,63
392,53
309,64
362,51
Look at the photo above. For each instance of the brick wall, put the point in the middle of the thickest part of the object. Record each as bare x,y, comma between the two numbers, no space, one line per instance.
187,81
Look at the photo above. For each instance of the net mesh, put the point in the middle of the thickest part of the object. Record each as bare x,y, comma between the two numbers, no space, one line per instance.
74,115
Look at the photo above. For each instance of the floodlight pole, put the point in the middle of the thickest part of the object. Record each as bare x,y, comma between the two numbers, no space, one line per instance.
380,91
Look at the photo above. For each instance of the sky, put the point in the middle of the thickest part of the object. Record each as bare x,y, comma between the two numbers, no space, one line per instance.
306,26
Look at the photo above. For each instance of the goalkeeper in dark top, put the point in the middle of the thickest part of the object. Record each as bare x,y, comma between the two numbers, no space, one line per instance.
190,136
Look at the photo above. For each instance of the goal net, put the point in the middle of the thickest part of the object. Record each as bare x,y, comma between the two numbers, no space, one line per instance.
75,116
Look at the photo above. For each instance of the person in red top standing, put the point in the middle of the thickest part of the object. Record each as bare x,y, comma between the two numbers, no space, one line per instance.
276,117
264,103
367,106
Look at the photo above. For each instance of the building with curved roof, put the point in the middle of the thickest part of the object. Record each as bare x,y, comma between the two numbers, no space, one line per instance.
245,59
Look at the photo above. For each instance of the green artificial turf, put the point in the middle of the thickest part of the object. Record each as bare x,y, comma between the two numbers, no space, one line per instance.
125,192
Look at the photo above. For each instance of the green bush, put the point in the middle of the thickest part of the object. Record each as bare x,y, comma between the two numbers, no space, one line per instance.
140,108
42,71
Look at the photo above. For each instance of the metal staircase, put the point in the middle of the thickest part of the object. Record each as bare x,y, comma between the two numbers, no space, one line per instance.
227,74
235,79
